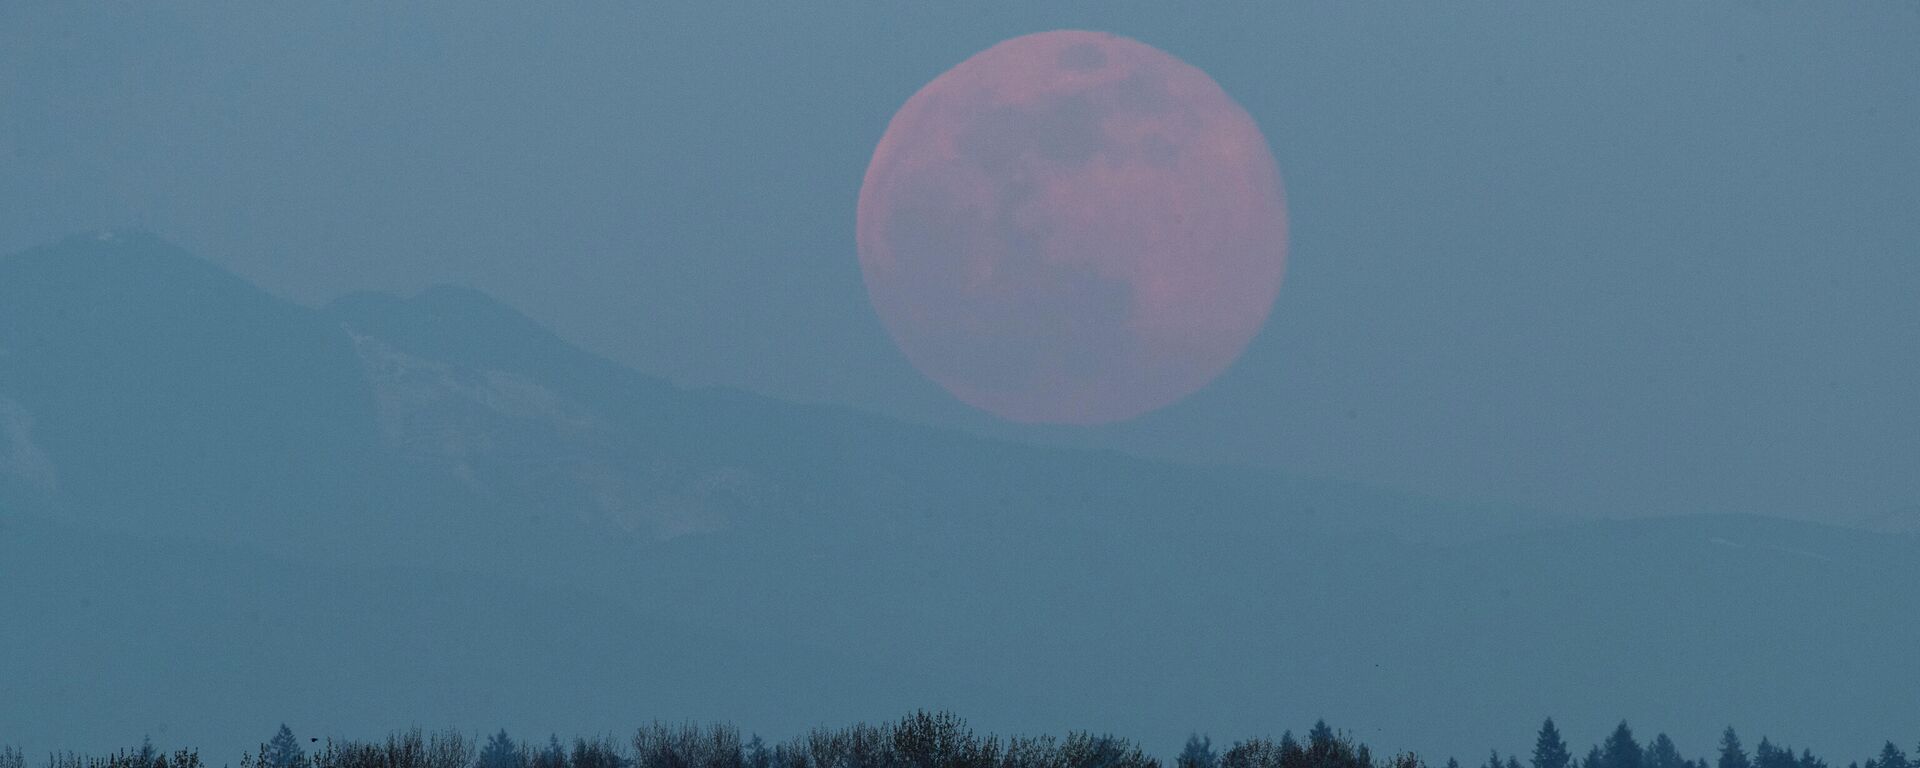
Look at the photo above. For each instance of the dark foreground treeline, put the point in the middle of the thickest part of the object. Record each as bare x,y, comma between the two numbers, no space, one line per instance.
925,740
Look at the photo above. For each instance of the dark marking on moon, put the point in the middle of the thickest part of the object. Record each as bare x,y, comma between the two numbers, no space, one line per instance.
1072,227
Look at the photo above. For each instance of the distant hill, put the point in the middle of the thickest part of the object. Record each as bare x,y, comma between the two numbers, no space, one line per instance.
220,510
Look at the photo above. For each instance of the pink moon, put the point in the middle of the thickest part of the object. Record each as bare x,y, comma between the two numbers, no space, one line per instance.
1072,228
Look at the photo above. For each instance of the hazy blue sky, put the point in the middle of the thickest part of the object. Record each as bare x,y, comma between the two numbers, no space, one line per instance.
1613,257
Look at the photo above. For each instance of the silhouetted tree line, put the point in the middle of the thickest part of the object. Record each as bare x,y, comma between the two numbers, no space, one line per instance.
930,740
145,756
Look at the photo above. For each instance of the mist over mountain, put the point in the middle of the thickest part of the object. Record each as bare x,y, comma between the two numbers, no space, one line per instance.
220,510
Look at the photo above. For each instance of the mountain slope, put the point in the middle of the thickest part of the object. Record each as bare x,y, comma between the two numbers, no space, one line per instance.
431,502
163,393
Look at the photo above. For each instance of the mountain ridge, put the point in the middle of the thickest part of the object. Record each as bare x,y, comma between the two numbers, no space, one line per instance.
812,563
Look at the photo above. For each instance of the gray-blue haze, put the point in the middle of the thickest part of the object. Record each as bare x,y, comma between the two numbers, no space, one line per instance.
1613,260
1616,258
220,510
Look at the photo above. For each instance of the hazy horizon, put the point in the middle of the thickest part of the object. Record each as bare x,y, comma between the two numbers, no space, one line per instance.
1623,258
398,490
1593,380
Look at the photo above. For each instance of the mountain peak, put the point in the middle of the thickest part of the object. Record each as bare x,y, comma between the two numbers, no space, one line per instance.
110,241
127,263
463,326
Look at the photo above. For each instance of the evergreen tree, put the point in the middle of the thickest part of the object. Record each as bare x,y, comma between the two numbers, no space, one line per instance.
1621,751
1198,753
603,752
501,752
756,753
1292,755
1320,740
1766,755
145,757
1594,759
1807,760
1494,761
1891,757
1549,750
1662,754
554,756
283,751
1452,763
1732,755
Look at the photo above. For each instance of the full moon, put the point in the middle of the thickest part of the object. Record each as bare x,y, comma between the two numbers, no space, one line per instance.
1073,228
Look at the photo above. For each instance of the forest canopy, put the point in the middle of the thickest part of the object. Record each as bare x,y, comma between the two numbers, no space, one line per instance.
931,740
